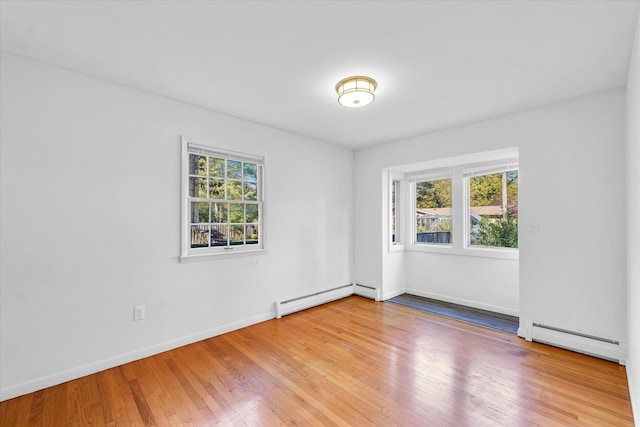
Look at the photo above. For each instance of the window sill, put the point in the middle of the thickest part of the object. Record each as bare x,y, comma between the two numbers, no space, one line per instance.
500,253
186,259
396,247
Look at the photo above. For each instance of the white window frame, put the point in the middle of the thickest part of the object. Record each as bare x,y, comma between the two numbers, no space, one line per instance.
479,171
399,183
459,212
189,254
424,176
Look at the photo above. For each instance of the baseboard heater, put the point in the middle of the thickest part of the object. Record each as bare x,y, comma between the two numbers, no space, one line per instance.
293,305
311,300
604,348
367,291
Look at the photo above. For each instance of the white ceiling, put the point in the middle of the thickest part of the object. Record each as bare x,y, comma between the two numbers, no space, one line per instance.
437,63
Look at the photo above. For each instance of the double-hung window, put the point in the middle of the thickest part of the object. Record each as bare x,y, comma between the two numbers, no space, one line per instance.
492,207
222,201
432,206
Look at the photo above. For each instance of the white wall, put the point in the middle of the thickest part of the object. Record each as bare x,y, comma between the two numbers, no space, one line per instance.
571,273
90,221
633,225
486,283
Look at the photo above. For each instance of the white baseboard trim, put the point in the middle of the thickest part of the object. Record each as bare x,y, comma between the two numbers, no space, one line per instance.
111,362
465,302
522,332
635,404
393,294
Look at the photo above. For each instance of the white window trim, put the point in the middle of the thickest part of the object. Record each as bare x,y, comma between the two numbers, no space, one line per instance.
422,177
460,210
187,254
399,244
430,175
466,175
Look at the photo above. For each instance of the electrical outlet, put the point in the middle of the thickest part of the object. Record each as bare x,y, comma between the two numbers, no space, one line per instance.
138,312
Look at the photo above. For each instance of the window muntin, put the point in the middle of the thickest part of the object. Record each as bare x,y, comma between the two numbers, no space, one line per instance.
433,211
223,199
493,208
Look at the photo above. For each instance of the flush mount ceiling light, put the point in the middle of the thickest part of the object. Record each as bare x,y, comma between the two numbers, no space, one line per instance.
356,91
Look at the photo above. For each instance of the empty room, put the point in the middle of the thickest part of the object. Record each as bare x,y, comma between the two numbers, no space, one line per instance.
257,213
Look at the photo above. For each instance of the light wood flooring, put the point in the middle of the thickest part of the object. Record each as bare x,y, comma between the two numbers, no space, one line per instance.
353,362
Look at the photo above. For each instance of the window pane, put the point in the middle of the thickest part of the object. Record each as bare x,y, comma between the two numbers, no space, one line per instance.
237,235
433,212
250,172
219,234
252,213
197,164
216,188
234,169
199,212
223,200
198,187
493,210
252,234
512,193
199,236
219,212
394,186
236,212
486,190
234,190
250,191
216,167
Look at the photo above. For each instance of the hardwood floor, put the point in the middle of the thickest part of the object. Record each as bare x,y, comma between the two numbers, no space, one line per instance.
350,362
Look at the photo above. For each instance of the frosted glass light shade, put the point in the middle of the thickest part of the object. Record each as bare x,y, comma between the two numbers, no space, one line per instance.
356,91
